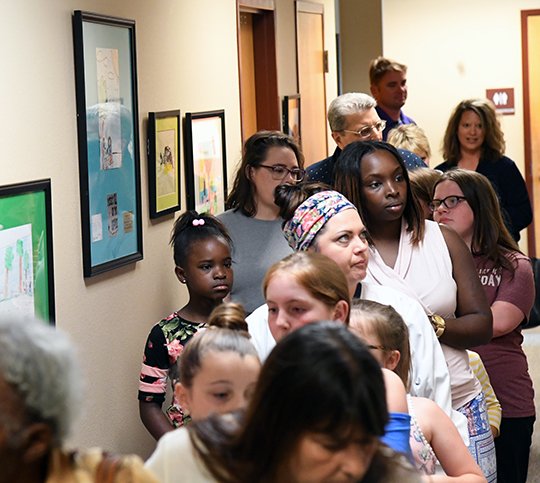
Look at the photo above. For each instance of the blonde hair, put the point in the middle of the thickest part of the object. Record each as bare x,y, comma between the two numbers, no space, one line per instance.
412,138
227,332
317,273
388,326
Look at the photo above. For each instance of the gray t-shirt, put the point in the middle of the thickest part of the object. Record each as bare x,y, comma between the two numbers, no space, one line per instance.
258,244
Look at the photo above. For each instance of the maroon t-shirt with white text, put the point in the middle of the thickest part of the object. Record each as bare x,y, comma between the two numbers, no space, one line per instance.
503,356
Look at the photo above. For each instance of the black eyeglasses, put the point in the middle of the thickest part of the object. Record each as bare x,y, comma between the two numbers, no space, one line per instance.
280,172
449,202
365,132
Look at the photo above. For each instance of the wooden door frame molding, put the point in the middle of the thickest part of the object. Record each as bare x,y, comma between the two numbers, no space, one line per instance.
264,46
529,175
309,7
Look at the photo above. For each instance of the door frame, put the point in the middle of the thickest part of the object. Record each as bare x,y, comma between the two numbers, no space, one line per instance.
529,172
264,47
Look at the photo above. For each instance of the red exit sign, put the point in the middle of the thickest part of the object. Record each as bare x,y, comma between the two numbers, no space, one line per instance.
503,98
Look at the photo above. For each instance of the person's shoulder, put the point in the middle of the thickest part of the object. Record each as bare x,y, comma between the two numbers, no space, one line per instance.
411,160
175,459
261,337
405,119
175,326
94,462
231,215
383,294
445,166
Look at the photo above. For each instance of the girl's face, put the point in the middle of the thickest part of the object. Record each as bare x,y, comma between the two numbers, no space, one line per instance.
318,458
461,216
291,306
225,382
343,240
471,132
208,269
383,189
263,178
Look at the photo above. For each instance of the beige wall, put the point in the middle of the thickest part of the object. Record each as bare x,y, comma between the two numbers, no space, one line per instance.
187,59
360,26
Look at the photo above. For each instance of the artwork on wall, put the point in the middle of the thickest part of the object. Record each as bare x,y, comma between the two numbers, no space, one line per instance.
26,254
108,132
205,161
164,162
291,117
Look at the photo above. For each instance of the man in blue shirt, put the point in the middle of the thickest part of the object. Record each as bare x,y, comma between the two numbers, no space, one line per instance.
353,117
388,80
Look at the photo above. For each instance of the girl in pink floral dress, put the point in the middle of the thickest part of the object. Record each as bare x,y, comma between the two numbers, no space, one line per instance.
202,256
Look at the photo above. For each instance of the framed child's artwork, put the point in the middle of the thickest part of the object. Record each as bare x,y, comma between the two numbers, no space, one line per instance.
291,117
205,161
26,253
108,132
164,162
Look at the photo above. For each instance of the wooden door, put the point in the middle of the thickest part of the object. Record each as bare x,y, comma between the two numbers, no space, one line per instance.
258,67
530,31
248,99
311,80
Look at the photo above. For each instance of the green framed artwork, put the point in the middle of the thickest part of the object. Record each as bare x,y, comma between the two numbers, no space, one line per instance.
26,256
164,162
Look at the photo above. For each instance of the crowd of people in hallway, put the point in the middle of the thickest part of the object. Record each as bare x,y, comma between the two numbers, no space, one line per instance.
351,319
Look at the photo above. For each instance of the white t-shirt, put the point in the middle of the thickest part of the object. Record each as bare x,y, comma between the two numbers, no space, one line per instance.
175,461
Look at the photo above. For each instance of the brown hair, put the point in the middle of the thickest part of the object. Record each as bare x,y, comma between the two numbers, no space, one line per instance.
227,332
242,195
288,197
318,274
423,182
388,326
380,66
493,146
490,237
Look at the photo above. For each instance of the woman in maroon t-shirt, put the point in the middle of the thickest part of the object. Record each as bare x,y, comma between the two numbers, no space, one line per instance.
466,201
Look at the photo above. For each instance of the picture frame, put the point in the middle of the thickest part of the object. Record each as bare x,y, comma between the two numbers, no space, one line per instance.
164,163
291,117
26,250
205,161
108,134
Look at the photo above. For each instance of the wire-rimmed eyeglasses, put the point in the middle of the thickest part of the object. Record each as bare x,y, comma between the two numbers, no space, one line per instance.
365,131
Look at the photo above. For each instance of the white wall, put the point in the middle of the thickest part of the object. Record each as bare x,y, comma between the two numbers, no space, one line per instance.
187,59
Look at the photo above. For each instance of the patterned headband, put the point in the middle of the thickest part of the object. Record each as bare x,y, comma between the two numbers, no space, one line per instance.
311,216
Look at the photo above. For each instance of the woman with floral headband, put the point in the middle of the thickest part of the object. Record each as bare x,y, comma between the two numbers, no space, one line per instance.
324,221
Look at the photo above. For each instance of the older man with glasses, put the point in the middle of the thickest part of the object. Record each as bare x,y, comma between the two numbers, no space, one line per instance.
352,117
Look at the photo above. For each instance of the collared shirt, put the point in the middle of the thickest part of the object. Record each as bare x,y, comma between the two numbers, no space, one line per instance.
390,123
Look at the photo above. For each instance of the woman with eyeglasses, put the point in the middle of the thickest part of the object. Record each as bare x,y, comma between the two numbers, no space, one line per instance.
269,158
474,140
466,201
427,262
